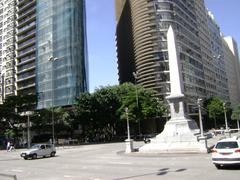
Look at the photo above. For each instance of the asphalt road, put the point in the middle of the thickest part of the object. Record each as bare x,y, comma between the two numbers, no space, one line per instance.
108,162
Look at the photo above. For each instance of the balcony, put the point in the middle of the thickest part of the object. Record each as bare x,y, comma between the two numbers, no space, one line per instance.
26,52
20,2
23,87
26,27
27,43
26,67
25,4
26,76
26,59
26,36
25,13
26,20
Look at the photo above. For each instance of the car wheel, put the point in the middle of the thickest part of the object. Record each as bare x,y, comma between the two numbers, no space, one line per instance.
52,154
25,158
218,166
34,156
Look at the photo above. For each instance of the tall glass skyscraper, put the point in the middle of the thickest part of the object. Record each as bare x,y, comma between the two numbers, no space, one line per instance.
61,65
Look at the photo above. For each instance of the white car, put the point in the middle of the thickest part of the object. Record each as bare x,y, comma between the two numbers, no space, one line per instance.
39,150
226,152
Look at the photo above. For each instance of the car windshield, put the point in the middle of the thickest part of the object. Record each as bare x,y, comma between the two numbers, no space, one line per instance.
227,145
36,146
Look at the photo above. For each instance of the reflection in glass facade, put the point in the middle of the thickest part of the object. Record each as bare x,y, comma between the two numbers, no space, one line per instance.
62,67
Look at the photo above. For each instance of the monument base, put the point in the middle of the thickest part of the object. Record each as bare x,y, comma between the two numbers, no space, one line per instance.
179,136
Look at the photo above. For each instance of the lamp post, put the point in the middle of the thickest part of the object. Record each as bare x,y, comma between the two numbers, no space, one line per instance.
200,116
128,128
28,131
225,116
202,138
227,131
28,113
135,75
238,122
128,141
52,59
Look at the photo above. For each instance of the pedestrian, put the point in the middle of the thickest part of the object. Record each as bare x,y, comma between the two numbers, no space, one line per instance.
11,146
8,145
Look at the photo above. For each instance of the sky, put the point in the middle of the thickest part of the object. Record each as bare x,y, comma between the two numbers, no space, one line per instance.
101,36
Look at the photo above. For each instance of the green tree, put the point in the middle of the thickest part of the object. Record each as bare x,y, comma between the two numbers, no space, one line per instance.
215,109
148,105
41,121
103,112
84,110
107,103
236,114
9,113
63,121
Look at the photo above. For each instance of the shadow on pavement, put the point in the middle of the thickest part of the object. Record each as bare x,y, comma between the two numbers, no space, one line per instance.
160,172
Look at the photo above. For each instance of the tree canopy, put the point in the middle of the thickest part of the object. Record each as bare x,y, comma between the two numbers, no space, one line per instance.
98,115
104,110
236,113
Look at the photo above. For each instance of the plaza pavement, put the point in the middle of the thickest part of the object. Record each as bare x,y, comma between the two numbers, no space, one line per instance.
109,162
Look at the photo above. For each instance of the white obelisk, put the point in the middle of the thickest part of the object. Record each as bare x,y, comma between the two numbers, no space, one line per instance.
179,134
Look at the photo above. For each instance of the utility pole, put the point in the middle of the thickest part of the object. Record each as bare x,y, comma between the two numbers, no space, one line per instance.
52,59
200,116
128,141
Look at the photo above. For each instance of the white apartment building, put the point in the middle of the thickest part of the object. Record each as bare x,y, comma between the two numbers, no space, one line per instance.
221,80
231,59
7,48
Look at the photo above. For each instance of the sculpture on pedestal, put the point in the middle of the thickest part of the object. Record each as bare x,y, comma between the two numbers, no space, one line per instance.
180,132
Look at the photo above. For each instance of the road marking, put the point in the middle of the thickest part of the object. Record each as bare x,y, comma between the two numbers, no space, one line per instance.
121,163
17,170
67,176
105,157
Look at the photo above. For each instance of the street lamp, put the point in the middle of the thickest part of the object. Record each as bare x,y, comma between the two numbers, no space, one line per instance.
52,59
28,113
135,75
128,141
200,116
225,116
238,122
128,128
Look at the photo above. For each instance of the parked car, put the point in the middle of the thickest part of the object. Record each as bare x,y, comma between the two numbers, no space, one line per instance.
226,152
39,150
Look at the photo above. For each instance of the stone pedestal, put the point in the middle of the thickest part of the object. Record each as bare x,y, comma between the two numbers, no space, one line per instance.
129,145
177,137
180,134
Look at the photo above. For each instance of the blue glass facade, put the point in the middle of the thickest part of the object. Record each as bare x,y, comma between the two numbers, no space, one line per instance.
62,64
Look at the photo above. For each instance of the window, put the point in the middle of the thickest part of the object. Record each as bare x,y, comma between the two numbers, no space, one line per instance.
227,145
